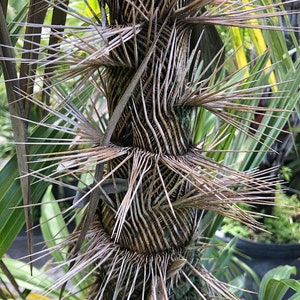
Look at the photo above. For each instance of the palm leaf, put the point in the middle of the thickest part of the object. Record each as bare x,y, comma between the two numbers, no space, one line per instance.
12,218
16,109
34,281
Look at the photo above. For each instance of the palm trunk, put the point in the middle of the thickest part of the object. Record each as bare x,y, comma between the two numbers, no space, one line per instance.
144,241
140,236
147,232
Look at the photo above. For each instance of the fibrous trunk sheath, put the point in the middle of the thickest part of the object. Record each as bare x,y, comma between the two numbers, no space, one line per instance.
146,236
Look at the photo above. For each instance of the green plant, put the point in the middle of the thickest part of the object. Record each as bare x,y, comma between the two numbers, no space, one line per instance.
33,283
276,282
155,198
282,227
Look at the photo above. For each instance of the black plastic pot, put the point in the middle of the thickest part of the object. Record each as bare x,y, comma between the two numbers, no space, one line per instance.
262,257
18,249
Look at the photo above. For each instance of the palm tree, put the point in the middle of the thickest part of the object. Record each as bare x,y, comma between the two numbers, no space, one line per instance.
145,185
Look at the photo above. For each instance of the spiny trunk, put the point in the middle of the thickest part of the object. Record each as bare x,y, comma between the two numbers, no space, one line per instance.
148,233
158,64
151,184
